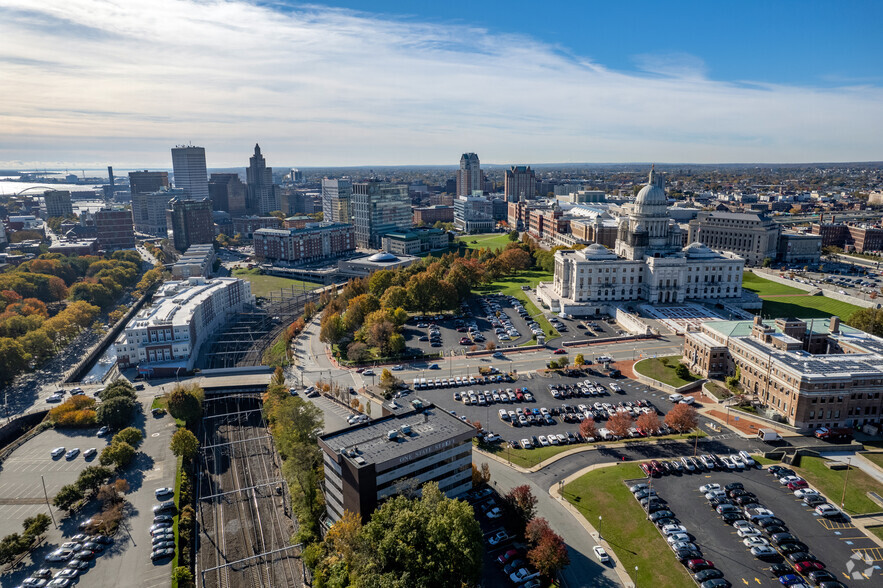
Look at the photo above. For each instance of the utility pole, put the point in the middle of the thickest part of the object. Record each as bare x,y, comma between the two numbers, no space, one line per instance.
46,494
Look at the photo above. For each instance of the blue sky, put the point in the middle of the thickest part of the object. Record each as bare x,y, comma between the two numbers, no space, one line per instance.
94,82
795,42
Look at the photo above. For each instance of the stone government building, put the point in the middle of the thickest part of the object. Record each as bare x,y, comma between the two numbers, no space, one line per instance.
648,265
811,374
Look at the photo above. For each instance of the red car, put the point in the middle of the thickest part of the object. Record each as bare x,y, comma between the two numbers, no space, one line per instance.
504,558
465,341
647,468
809,566
560,352
657,468
697,565
797,485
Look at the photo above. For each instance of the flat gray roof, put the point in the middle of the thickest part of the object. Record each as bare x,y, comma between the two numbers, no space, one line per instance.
429,427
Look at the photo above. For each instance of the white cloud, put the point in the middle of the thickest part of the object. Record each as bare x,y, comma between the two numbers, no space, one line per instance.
104,81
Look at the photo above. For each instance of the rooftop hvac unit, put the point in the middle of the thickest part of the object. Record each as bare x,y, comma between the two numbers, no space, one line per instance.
392,435
406,429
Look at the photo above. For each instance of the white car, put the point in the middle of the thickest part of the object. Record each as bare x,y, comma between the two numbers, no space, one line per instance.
60,555
785,480
57,451
688,465
543,441
683,545
737,461
526,444
804,492
714,494
676,537
755,542
163,491
764,551
494,513
498,538
748,531
397,368
672,529
827,510
370,372
709,487
601,554
746,457
742,525
727,463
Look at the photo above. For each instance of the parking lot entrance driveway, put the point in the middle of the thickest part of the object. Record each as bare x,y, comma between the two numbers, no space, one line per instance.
836,544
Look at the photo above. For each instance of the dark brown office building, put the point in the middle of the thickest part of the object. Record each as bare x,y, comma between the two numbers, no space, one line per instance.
190,222
145,182
115,229
228,193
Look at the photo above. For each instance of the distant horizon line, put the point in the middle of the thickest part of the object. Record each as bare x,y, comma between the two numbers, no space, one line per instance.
72,168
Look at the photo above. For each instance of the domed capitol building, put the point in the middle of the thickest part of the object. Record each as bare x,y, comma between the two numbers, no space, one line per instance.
648,265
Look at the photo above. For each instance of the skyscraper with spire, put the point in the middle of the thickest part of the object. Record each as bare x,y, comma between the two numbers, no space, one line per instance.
262,198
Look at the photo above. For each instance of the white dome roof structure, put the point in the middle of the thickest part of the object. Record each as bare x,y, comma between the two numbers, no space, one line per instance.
383,257
651,199
597,251
697,250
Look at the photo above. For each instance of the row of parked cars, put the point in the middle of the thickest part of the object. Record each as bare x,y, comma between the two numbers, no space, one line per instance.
487,397
583,389
698,464
162,532
75,555
458,381
503,327
767,537
678,538
58,396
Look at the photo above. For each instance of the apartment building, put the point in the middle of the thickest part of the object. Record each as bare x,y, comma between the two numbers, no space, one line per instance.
315,242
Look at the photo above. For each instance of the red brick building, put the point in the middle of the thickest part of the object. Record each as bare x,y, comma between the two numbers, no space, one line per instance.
432,214
312,243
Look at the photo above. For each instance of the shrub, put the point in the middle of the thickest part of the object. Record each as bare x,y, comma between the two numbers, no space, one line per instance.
130,435
76,411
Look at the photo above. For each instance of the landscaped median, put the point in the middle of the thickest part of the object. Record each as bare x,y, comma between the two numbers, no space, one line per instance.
528,458
624,525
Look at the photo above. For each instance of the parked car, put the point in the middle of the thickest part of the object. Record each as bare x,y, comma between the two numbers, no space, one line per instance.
601,554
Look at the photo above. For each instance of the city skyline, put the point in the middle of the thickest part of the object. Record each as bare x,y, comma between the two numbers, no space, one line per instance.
642,86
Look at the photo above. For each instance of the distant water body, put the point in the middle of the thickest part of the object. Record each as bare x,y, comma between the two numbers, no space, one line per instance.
8,187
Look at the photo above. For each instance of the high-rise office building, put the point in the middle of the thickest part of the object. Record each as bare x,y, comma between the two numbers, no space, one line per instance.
228,193
337,197
114,229
520,183
190,222
379,208
144,182
188,163
469,175
261,191
149,210
58,203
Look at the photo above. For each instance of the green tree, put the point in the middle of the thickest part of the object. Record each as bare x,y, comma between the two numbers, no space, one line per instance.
682,372
67,496
183,576
422,289
295,423
333,329
36,525
184,444
118,454
869,320
10,546
116,412
513,236
13,359
380,281
394,297
185,403
767,262
119,388
388,382
37,344
432,541
92,477
130,435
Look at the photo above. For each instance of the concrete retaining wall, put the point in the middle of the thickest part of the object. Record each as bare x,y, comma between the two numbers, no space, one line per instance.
850,299
827,293
18,426
774,277
631,323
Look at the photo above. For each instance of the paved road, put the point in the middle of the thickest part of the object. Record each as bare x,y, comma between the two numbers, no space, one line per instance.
584,569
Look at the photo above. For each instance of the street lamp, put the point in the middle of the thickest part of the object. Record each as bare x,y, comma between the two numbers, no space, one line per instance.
845,480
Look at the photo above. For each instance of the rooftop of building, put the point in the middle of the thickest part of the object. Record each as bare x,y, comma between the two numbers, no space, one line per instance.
414,233
743,328
309,227
177,301
746,216
371,443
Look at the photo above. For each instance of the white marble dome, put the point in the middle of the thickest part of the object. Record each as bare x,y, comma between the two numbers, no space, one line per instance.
651,199
698,250
597,251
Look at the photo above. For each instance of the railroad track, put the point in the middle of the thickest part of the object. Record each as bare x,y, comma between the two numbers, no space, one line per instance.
244,529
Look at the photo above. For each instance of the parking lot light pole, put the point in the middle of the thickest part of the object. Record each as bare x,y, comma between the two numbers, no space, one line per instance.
845,480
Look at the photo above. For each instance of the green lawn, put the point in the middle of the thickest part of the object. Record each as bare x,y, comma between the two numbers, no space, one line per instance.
262,285
877,458
830,482
763,287
654,368
807,307
511,286
625,527
178,474
878,531
487,241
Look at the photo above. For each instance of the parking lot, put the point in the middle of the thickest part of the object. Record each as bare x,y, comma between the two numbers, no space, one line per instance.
125,562
21,490
539,388
835,543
